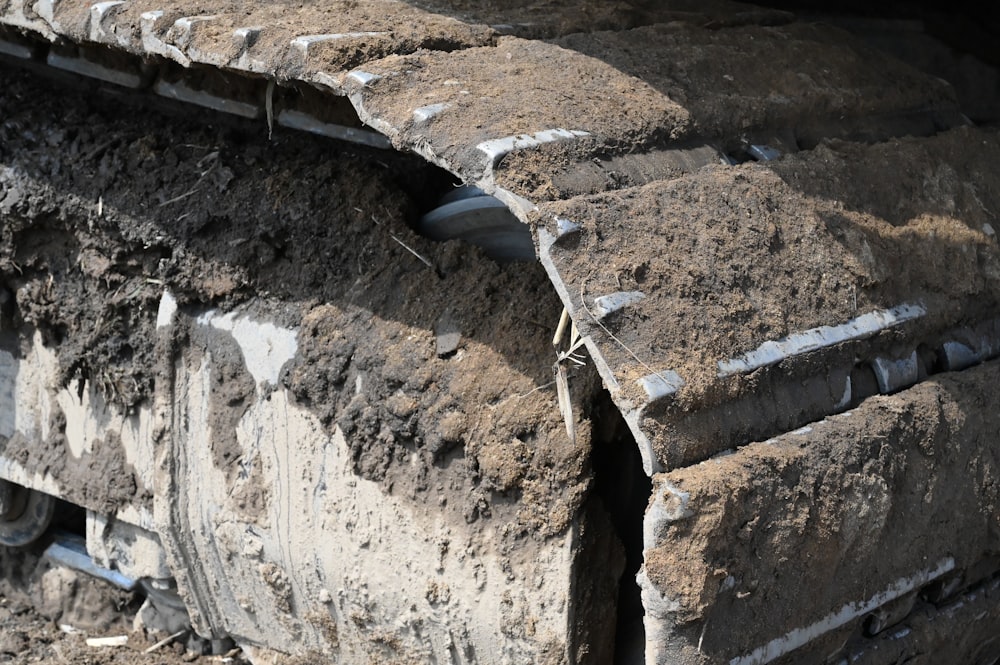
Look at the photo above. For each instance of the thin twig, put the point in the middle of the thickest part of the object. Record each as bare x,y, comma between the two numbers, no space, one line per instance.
200,179
412,251
535,390
583,302
521,396
165,641
561,328
576,341
179,198
214,156
269,107
565,402
559,369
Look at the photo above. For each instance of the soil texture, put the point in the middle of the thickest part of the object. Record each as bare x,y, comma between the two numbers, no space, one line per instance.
104,210
48,612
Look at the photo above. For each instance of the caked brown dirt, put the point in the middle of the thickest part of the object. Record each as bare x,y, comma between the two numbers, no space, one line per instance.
763,251
102,214
839,511
103,210
749,254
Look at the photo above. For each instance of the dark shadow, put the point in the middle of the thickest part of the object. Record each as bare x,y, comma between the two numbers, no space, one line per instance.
624,490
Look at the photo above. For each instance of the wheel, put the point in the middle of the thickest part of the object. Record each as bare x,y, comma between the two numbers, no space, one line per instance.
25,514
469,214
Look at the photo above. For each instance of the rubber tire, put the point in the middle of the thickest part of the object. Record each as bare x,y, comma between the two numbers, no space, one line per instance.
482,221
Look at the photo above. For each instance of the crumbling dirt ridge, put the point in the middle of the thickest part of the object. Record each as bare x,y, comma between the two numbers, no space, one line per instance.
102,214
105,212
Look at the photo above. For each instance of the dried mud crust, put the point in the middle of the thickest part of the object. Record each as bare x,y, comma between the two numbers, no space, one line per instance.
398,402
743,79
119,486
368,30
530,19
731,257
841,510
512,88
103,210
629,92
375,28
819,82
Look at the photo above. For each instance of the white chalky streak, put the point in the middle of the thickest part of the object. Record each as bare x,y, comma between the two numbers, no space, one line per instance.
773,352
364,78
613,302
801,636
266,347
165,313
425,113
97,13
661,384
494,149
302,44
